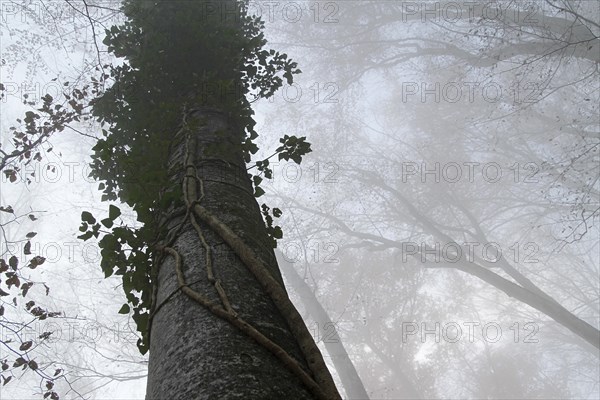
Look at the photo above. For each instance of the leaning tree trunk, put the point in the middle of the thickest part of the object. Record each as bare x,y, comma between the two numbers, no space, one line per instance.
349,377
216,331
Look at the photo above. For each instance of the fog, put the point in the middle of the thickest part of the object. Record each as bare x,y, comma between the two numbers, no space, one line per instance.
441,240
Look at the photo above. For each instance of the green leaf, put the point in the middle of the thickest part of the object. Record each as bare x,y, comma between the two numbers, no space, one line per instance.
258,192
124,309
113,212
106,268
86,236
95,229
268,173
142,346
277,232
86,216
30,115
107,222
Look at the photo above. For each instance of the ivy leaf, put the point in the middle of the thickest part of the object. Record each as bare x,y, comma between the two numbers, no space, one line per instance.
258,191
86,235
13,262
30,116
107,268
124,309
86,216
277,232
142,346
113,212
27,248
30,235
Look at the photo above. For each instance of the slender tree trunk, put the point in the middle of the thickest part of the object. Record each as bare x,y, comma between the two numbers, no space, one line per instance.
194,353
333,343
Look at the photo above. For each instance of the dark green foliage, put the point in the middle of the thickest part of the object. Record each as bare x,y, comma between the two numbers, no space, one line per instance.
176,54
274,231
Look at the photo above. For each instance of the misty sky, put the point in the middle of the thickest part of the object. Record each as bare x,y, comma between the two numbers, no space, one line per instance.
455,161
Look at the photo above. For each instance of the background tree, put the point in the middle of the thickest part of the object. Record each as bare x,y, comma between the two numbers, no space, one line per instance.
377,53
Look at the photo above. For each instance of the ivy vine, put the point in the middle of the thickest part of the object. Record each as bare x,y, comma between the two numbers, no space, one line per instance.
173,55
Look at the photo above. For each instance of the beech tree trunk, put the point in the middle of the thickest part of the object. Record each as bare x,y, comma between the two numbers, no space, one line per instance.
193,353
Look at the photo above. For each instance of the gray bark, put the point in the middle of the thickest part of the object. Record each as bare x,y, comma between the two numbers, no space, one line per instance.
193,353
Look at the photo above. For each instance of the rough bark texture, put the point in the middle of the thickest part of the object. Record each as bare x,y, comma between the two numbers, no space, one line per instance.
193,353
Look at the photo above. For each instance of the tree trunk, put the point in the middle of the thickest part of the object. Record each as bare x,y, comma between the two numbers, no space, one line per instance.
333,343
194,353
